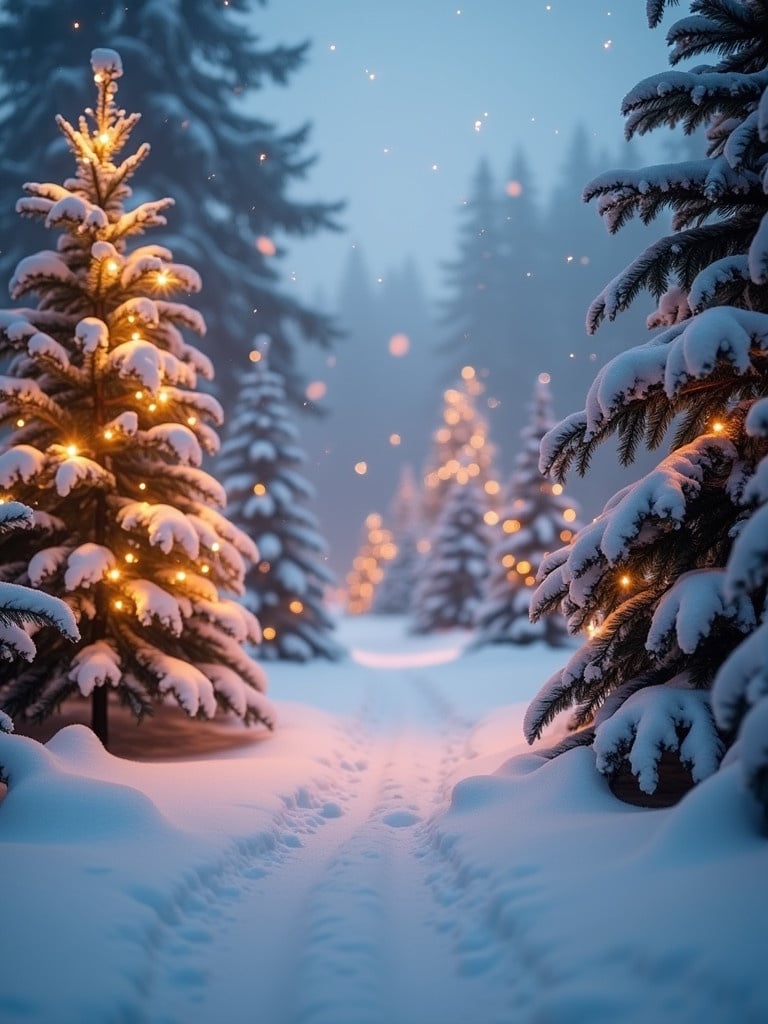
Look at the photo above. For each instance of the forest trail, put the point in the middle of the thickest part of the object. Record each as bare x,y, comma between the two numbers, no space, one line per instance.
350,915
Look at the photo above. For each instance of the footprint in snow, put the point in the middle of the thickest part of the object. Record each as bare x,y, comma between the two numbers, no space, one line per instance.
400,819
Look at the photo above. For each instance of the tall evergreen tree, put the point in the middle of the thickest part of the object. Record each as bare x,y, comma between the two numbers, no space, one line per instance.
261,465
106,434
671,578
196,69
536,518
454,569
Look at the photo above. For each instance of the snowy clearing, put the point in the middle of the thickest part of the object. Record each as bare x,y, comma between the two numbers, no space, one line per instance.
332,872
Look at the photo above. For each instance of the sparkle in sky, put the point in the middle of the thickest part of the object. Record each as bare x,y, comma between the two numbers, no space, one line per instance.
401,95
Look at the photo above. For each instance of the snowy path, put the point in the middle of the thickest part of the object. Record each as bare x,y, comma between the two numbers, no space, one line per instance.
348,918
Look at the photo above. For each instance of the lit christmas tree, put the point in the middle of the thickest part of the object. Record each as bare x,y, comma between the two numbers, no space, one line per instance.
367,570
670,580
394,593
454,570
536,518
261,467
106,436
461,450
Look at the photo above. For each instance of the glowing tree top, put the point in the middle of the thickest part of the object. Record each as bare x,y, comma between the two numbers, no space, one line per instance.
367,569
461,449
105,437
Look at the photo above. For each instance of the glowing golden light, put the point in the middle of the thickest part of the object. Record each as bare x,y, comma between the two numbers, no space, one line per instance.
142,486
114,574
163,396
508,561
361,468
162,278
297,607
205,569
477,441
152,407
118,605
467,372
373,521
254,355
112,266
399,345
108,435
395,439
139,395
625,581
523,567
269,633
191,420
71,450
530,580
316,390
462,476
451,417
104,138
491,518
557,488
718,427
20,422
181,576
510,525
215,546
259,489
492,487
98,78
514,189
265,246
565,535
569,515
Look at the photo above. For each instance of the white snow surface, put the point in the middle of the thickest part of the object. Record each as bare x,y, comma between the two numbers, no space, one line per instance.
393,854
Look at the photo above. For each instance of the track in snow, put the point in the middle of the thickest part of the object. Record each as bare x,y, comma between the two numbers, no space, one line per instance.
350,916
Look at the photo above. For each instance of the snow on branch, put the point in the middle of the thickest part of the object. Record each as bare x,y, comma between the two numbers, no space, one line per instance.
166,527
44,267
691,607
651,721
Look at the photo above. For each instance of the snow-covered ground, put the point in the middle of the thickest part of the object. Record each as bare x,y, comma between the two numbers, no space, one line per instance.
394,853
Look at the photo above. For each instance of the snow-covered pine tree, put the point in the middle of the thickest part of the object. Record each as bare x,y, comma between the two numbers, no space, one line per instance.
197,74
106,435
268,499
367,572
461,449
454,570
536,518
394,593
23,609
671,578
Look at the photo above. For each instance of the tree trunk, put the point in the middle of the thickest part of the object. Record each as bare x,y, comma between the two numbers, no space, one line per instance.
99,721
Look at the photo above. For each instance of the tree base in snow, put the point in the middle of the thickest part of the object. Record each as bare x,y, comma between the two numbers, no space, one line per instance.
675,781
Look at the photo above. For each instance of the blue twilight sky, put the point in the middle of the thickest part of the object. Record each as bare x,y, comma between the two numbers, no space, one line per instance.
406,95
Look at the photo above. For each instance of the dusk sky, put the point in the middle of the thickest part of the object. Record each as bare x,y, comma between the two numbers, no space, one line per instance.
405,97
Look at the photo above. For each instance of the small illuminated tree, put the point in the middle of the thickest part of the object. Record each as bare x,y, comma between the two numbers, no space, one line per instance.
393,595
454,570
367,570
261,465
461,449
106,434
536,518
